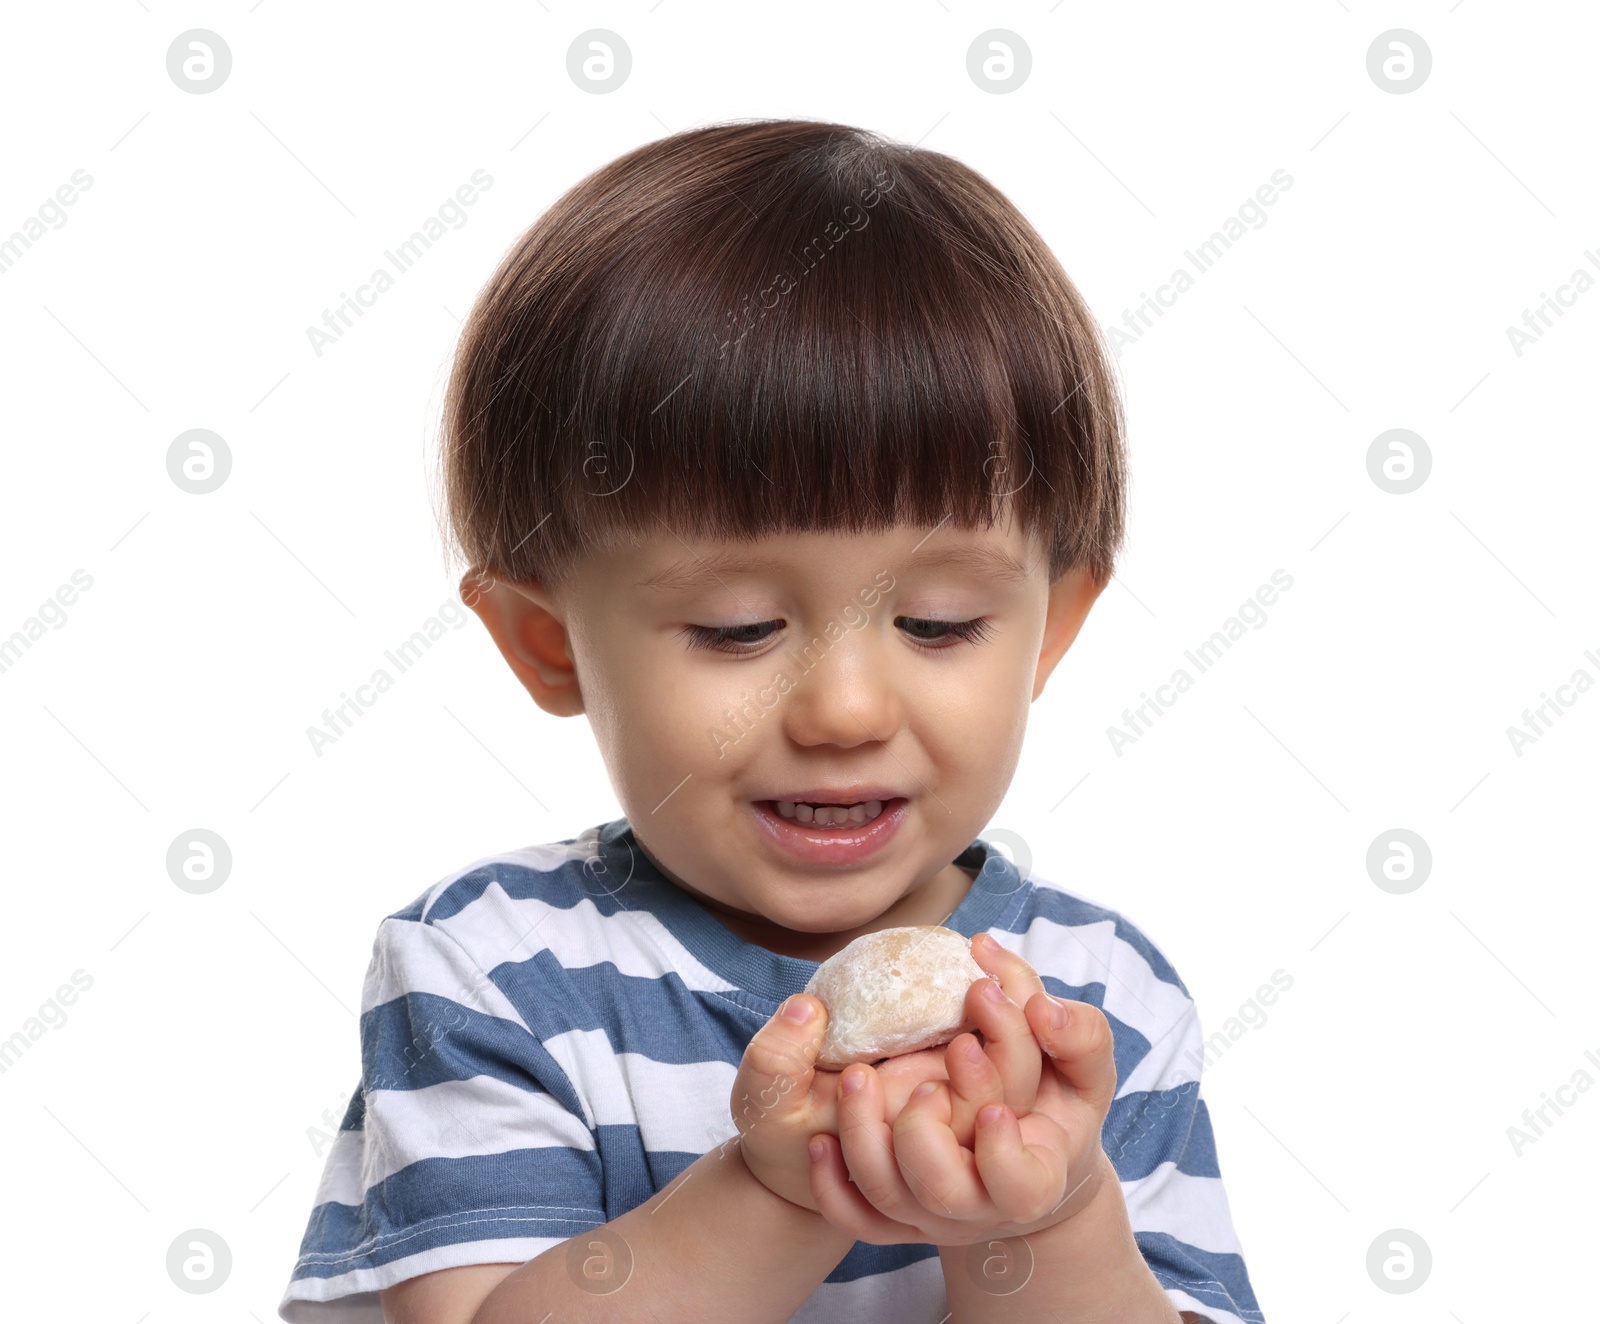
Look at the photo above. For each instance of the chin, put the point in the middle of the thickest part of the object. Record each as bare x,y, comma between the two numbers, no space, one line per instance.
813,920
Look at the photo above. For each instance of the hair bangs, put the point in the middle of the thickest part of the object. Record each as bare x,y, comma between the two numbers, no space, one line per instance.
778,326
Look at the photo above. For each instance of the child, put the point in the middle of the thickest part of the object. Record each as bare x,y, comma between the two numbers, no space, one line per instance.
790,457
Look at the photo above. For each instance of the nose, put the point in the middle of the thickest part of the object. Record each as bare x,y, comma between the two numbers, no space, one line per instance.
845,691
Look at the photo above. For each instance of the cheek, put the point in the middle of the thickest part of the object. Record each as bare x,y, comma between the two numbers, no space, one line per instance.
973,726
986,731
987,701
655,719
622,698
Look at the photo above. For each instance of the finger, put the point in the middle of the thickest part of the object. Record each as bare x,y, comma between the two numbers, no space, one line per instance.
1019,979
938,1171
974,1082
1010,1044
900,1075
843,1205
1015,1056
868,1143
1025,1181
778,1065
1077,1037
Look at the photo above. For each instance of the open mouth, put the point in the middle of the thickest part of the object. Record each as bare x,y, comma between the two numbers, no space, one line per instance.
827,816
831,835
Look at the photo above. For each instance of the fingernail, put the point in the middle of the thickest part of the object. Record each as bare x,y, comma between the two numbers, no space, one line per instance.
923,1090
992,991
984,941
972,1051
1056,1012
817,1149
797,1009
853,1081
990,1114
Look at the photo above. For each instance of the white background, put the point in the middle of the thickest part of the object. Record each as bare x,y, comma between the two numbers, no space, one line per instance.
180,1091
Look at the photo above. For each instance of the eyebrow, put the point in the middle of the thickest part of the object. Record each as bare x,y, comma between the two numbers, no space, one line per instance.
993,562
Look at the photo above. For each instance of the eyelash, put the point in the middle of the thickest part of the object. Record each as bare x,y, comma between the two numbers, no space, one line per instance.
714,638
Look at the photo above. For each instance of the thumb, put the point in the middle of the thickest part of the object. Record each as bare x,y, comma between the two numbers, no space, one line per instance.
779,1062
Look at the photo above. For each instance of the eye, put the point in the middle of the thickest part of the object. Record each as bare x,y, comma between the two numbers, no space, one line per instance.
930,636
957,632
718,638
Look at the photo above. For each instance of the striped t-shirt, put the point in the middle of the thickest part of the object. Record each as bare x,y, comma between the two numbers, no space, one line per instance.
550,1036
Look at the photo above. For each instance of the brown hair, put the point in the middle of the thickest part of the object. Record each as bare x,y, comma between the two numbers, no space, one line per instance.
778,325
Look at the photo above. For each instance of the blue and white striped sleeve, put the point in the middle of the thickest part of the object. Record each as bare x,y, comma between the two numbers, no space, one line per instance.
1158,1136
467,1143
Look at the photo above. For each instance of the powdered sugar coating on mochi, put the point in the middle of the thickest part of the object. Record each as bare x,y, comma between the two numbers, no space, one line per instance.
894,991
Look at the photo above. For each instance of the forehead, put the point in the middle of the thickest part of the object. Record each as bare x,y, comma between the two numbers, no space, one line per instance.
674,564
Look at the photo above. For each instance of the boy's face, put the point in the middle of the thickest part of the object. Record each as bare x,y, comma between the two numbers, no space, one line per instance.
842,675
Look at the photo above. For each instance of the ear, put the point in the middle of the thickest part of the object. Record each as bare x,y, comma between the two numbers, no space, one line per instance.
1071,596
524,621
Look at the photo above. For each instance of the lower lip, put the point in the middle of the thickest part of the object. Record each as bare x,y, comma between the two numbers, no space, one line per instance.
849,844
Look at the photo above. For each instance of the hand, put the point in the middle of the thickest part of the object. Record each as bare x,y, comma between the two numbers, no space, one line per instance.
1002,1067
910,1179
1006,1064
780,1099
972,1064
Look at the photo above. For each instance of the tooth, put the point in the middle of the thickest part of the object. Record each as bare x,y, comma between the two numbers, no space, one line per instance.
830,815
